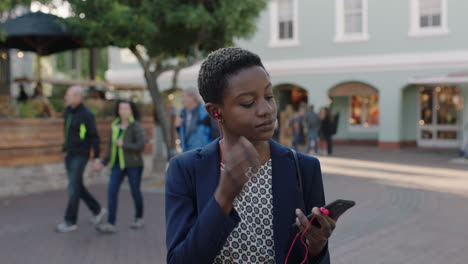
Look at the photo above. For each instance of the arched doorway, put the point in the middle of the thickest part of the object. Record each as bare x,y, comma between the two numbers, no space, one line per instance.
290,94
358,106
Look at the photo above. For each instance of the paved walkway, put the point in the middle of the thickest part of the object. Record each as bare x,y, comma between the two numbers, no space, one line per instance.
412,207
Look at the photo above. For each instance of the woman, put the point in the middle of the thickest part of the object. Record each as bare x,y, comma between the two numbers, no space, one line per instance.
235,200
125,158
326,131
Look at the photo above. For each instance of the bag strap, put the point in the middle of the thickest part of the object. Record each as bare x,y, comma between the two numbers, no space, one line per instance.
298,174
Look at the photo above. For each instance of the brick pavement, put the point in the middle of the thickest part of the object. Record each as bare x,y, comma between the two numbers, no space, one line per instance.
412,207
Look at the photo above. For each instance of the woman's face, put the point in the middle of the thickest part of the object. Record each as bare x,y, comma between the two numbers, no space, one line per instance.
249,108
125,111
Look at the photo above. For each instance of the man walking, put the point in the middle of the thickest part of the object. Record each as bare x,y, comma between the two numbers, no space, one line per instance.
194,125
80,135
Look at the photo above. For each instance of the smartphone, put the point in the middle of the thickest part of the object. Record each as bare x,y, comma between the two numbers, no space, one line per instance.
336,209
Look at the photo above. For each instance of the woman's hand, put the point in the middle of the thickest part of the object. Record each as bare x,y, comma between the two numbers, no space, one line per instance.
120,142
315,238
237,160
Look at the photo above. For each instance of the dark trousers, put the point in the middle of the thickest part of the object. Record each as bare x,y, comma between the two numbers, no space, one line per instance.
75,166
134,180
329,141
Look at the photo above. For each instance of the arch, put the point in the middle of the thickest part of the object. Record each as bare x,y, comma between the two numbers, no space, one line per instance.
290,94
351,88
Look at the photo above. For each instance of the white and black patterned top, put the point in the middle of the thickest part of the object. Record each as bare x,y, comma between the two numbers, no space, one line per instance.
252,240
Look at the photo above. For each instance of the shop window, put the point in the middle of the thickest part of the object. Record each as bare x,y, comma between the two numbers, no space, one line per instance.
364,111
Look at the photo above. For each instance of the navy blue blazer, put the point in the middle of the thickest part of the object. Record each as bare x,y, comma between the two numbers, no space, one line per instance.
197,228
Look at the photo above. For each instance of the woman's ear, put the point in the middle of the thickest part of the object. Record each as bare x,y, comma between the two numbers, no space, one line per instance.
214,110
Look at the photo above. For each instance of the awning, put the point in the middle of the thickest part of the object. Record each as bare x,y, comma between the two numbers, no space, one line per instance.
451,78
353,88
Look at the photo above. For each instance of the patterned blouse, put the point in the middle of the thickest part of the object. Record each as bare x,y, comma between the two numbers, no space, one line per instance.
252,240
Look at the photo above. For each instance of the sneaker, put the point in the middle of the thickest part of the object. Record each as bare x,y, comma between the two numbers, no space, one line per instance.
65,228
106,228
137,224
96,219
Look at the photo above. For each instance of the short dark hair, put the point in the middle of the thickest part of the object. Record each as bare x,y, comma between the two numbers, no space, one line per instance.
133,106
221,64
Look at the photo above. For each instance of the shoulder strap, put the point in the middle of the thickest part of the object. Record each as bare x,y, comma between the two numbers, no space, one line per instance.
298,173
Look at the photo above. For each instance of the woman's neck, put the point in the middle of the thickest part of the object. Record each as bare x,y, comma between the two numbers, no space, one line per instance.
124,122
262,147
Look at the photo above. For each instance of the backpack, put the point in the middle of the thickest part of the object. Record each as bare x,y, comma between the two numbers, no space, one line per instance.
334,125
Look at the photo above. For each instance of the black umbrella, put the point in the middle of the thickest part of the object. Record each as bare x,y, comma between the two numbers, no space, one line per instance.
39,32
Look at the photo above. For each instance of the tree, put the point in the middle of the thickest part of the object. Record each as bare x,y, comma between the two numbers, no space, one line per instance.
165,35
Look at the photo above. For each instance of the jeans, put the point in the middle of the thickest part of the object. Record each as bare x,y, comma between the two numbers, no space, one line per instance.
134,180
312,136
75,166
296,139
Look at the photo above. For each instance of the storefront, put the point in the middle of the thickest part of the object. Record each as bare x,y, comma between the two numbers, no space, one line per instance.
441,110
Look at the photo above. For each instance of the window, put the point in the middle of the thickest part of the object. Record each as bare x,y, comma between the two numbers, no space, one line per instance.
351,21
285,19
283,23
364,111
428,17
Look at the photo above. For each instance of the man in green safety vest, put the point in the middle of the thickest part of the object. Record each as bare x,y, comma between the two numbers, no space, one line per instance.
80,135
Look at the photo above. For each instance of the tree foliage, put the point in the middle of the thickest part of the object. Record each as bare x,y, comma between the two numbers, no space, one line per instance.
165,35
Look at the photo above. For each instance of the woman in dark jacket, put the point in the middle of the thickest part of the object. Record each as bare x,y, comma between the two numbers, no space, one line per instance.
124,157
236,199
326,131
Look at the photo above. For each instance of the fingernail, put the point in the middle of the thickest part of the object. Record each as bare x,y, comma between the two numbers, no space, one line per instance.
298,211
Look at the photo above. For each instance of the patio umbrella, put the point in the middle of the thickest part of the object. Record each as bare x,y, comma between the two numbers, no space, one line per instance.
41,33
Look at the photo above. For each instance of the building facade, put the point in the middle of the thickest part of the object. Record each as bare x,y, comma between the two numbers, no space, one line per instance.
396,71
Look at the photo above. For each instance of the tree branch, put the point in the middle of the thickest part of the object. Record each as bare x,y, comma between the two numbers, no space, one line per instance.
139,57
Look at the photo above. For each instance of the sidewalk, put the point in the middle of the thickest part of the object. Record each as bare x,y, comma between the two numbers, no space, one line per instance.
412,207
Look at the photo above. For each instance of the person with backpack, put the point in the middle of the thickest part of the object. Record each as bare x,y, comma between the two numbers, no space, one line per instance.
194,127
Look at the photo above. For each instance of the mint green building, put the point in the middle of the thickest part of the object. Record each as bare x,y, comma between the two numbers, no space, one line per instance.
396,71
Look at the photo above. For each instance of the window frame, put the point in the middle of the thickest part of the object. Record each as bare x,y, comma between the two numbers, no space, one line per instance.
340,35
415,25
275,41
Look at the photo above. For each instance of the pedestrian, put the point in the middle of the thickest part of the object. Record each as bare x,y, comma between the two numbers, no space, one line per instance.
327,129
22,96
297,124
124,158
235,200
194,124
312,122
80,135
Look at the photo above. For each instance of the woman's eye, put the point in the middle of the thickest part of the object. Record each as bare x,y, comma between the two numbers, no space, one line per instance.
247,105
269,98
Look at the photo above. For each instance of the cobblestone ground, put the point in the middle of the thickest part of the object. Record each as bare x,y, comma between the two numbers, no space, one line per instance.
412,207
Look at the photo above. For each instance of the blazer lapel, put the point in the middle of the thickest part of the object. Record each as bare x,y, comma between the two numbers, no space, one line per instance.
285,197
207,172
